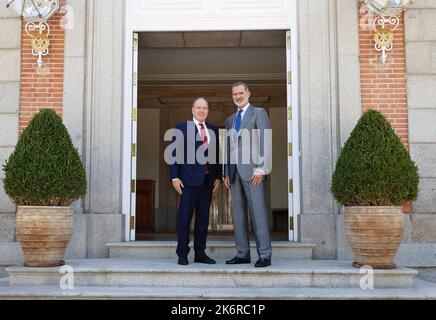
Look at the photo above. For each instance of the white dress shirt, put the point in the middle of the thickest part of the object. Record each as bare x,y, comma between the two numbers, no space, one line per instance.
244,109
197,123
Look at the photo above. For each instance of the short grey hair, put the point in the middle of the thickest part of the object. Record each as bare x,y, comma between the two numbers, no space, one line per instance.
198,99
240,83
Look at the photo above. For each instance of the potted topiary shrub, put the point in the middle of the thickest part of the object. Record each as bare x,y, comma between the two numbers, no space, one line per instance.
43,176
373,178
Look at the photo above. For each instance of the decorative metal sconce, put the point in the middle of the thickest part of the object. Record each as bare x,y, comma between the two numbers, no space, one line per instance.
386,22
36,13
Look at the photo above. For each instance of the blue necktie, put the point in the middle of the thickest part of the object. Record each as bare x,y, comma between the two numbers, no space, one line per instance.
238,121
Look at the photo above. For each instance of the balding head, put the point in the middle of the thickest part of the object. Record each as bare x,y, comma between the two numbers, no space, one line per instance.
200,109
199,100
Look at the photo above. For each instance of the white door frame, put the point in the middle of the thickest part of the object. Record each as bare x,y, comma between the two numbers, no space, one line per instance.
137,23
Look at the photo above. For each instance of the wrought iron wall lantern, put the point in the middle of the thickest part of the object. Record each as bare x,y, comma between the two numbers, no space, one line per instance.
386,22
36,13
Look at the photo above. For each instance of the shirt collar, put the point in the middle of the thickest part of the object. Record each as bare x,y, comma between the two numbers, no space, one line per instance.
244,109
197,123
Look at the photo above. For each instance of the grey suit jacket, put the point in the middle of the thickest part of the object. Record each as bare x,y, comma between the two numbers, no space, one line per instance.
251,147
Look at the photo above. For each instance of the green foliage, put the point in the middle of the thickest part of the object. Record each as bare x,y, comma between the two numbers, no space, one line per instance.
45,168
374,168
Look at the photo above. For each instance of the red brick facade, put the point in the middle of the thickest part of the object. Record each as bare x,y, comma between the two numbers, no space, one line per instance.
384,87
42,88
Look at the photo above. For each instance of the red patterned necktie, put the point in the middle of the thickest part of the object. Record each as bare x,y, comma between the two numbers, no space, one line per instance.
205,141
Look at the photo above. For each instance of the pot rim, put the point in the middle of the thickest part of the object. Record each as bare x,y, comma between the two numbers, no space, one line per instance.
54,207
373,206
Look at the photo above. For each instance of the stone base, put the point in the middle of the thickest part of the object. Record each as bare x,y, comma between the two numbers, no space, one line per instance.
11,254
7,226
167,273
319,229
3,272
424,225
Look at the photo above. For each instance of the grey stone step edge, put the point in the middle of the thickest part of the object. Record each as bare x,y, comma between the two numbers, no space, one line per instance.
282,275
218,249
421,291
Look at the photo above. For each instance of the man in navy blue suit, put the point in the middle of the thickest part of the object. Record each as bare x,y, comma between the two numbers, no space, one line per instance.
195,176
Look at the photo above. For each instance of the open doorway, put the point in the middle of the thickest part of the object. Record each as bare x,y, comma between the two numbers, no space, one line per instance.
174,68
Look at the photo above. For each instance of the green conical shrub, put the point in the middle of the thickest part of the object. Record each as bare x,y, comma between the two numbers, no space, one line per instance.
374,168
45,168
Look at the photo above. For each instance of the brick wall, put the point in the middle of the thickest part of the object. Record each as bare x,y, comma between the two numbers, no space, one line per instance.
384,87
42,88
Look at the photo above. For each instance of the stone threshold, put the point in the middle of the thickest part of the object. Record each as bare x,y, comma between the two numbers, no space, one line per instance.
217,249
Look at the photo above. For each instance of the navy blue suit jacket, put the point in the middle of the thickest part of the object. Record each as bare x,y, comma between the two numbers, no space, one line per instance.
194,174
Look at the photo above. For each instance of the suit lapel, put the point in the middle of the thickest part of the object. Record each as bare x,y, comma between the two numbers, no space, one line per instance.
247,116
211,131
233,120
231,124
197,134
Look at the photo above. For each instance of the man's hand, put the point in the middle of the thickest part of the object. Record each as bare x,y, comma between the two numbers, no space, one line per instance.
257,178
178,185
216,185
227,182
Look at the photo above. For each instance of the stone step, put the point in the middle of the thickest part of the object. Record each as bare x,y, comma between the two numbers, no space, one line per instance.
4,281
167,273
220,250
421,290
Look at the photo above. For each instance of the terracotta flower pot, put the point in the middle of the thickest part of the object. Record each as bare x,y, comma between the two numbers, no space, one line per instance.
374,234
44,234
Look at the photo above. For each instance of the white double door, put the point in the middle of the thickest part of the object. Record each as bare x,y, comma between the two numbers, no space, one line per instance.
206,15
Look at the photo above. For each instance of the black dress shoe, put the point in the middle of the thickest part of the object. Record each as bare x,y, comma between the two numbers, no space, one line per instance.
183,261
261,263
204,259
237,260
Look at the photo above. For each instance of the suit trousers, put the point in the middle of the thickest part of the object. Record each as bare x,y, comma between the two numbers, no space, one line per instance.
198,199
244,195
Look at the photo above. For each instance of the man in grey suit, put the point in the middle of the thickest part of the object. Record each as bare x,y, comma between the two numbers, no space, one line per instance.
247,164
